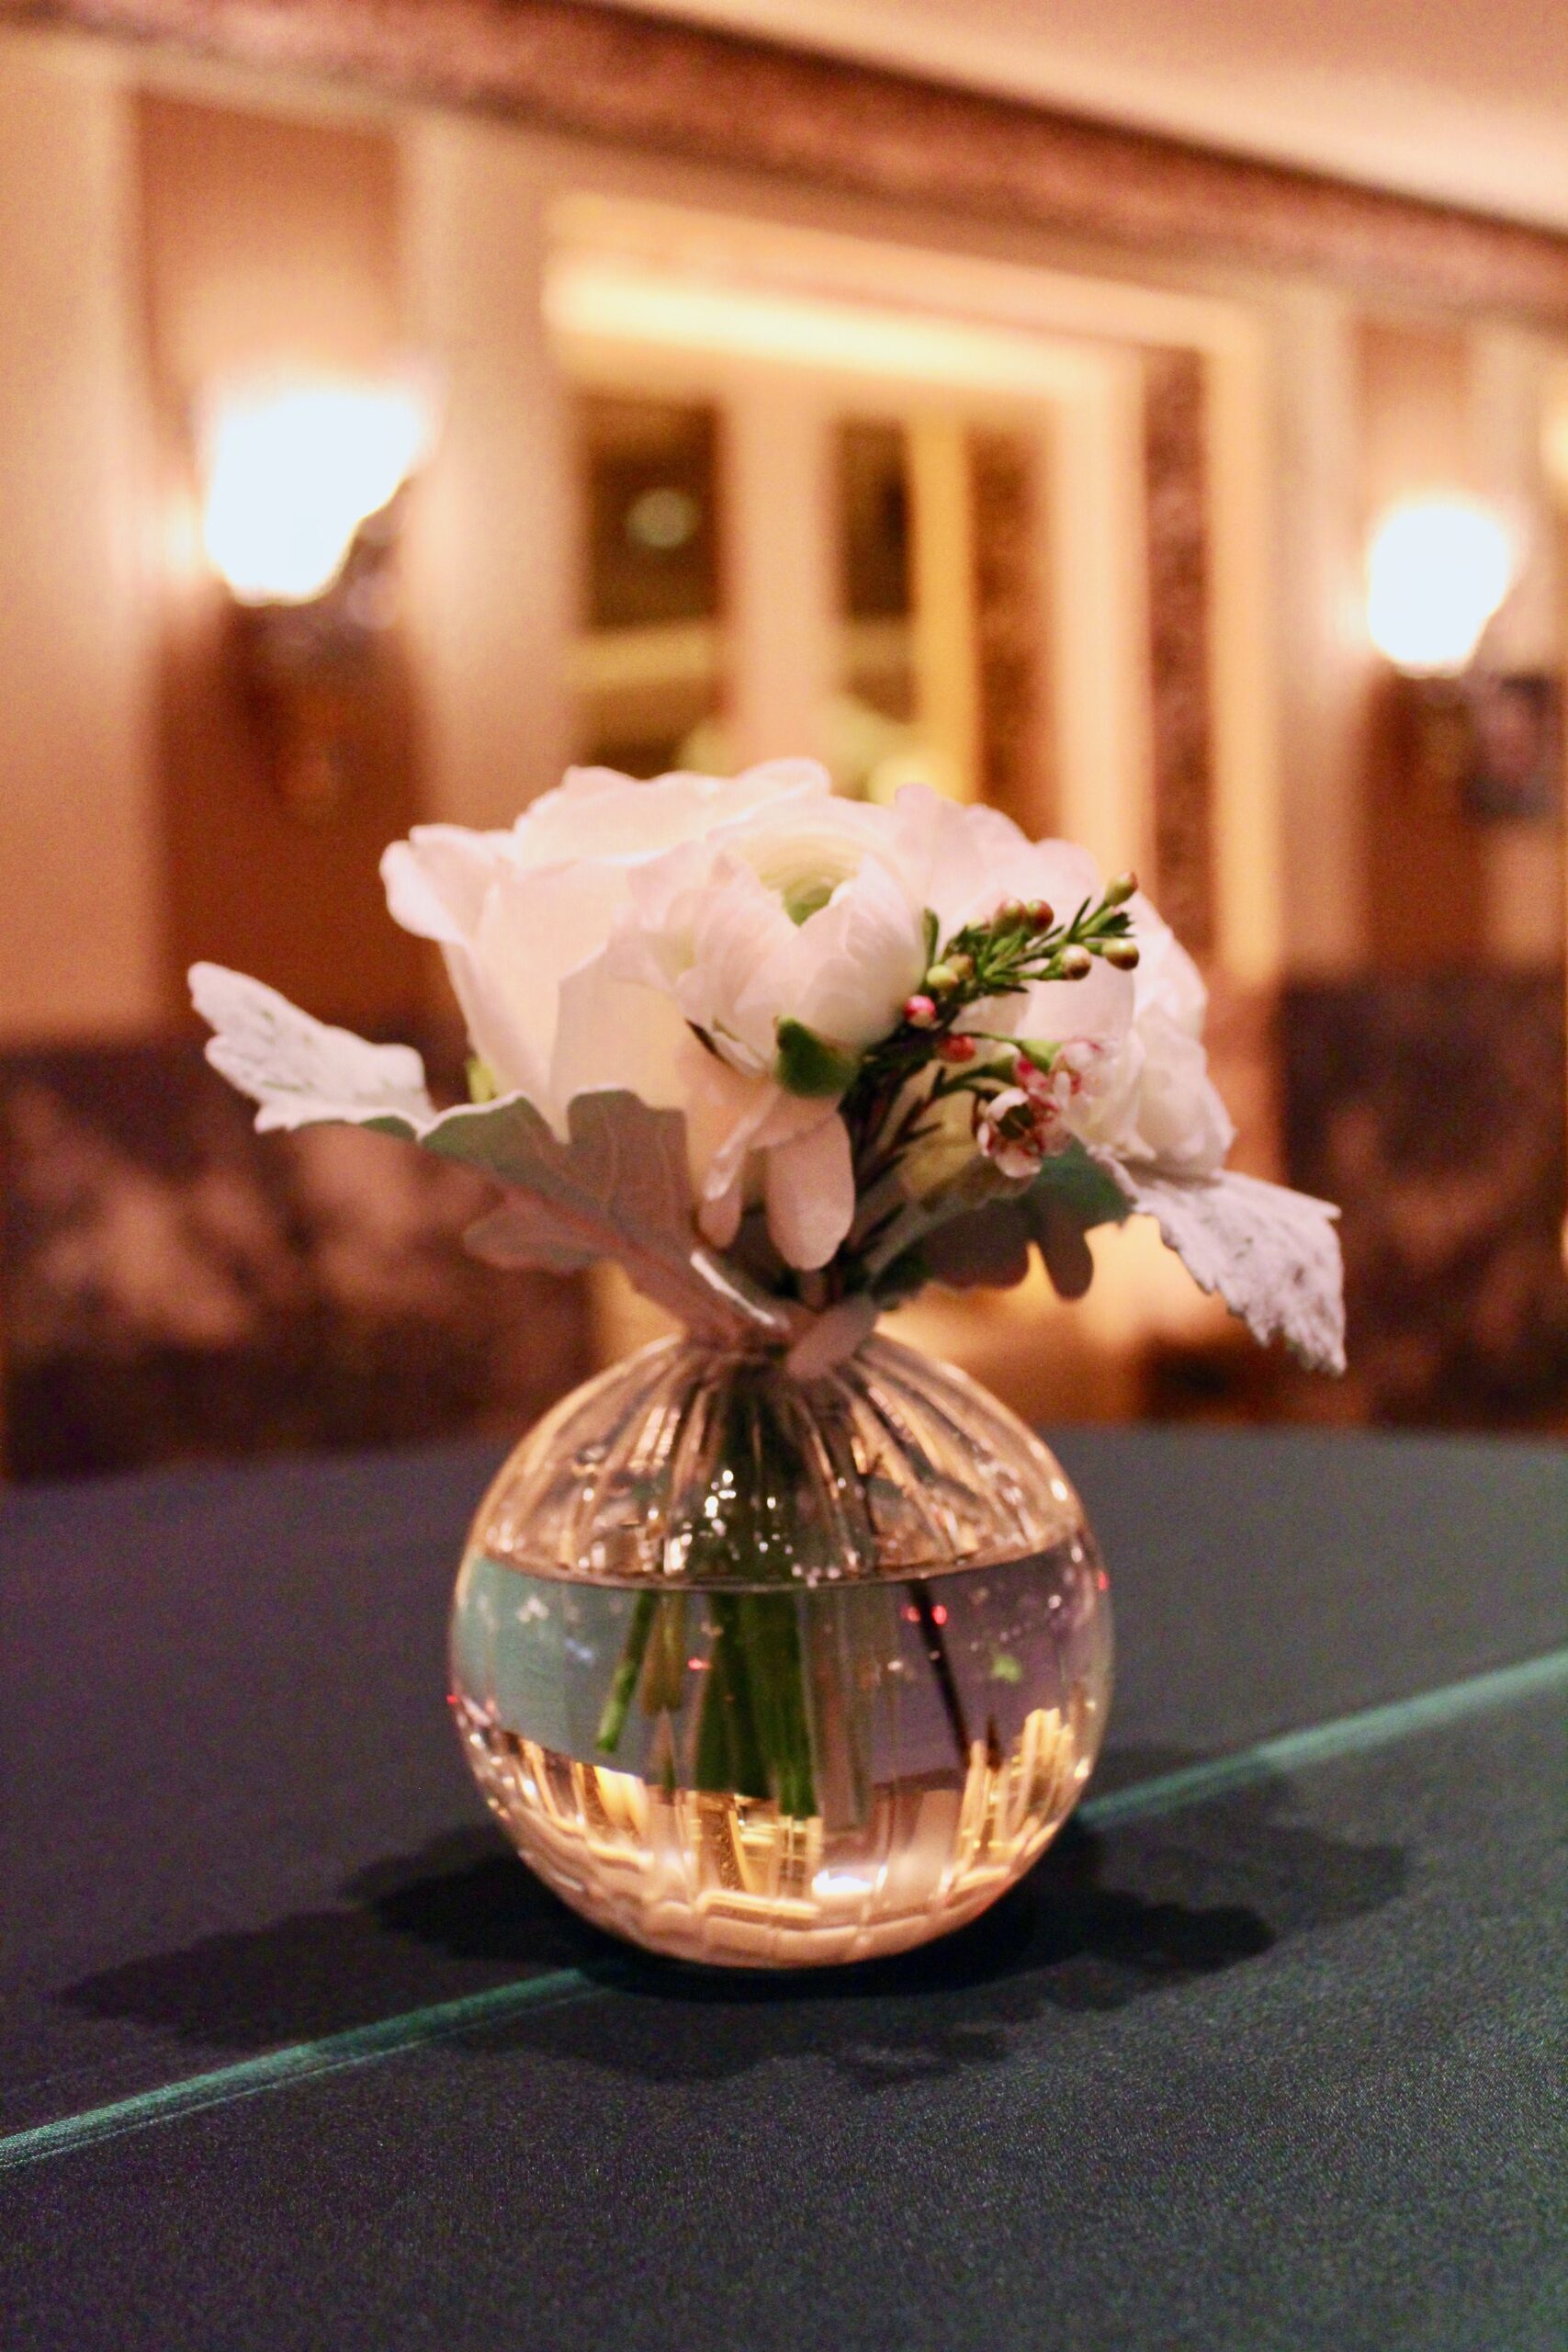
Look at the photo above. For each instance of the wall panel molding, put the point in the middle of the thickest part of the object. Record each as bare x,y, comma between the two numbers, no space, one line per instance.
1174,457
723,98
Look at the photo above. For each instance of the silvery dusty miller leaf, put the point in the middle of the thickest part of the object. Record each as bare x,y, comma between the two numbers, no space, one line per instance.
618,1186
1272,1255
299,1071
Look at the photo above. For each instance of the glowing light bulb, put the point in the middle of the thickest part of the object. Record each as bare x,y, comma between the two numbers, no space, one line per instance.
291,469
1437,571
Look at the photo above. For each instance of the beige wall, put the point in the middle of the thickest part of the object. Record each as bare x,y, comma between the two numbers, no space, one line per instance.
78,859
1322,656
492,547
95,551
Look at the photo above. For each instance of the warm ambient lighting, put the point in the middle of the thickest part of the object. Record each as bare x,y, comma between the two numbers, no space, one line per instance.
590,300
1554,442
1437,571
291,469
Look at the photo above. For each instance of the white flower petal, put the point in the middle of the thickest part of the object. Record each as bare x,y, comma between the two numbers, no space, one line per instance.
719,1216
809,1188
597,813
1181,1123
436,880
436,884
534,929
737,985
1166,976
612,1033
962,861
723,1113
859,959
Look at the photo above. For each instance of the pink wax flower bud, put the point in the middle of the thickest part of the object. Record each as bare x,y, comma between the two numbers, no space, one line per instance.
956,1049
919,1012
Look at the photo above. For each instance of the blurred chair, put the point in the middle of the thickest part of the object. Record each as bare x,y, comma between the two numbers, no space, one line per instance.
1432,1108
172,1285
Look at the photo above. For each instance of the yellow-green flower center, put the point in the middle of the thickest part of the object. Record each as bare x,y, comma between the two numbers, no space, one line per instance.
805,873
805,899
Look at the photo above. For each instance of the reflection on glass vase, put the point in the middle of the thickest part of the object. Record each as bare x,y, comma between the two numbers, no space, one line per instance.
768,1672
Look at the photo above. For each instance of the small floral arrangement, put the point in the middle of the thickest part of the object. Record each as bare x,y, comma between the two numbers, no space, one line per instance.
789,1056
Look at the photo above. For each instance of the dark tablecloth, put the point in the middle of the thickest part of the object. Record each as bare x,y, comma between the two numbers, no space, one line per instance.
1258,2057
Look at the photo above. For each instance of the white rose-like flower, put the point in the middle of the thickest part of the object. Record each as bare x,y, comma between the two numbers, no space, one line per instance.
522,919
788,942
517,913
964,862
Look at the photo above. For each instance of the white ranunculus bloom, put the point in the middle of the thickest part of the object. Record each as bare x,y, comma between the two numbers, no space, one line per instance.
964,860
517,914
523,919
963,863
797,914
771,921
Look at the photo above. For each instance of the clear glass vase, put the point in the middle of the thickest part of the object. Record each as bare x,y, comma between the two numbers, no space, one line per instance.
768,1672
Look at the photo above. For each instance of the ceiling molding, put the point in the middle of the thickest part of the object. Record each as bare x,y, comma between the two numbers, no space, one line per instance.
715,98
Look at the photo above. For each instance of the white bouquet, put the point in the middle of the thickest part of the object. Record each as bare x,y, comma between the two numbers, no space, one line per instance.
788,1056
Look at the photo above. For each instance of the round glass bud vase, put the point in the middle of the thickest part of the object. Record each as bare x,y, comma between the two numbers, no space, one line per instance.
768,1672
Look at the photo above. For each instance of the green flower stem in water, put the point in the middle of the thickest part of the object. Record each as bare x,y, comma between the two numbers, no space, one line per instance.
613,1720
841,1636
754,1732
664,1666
730,1757
769,1627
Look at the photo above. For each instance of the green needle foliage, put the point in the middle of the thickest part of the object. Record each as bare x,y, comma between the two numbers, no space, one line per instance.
1019,946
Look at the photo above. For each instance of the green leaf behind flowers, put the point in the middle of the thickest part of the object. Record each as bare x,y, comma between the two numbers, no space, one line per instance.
989,1245
1081,1185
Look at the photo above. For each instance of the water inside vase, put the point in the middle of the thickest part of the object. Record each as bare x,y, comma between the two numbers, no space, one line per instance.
775,1775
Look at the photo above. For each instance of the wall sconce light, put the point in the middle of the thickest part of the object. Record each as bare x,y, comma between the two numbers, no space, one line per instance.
1438,570
301,489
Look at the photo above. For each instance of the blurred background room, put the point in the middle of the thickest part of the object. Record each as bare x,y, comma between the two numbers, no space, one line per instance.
1150,418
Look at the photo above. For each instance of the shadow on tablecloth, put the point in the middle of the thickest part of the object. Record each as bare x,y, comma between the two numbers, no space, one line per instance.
1105,1920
